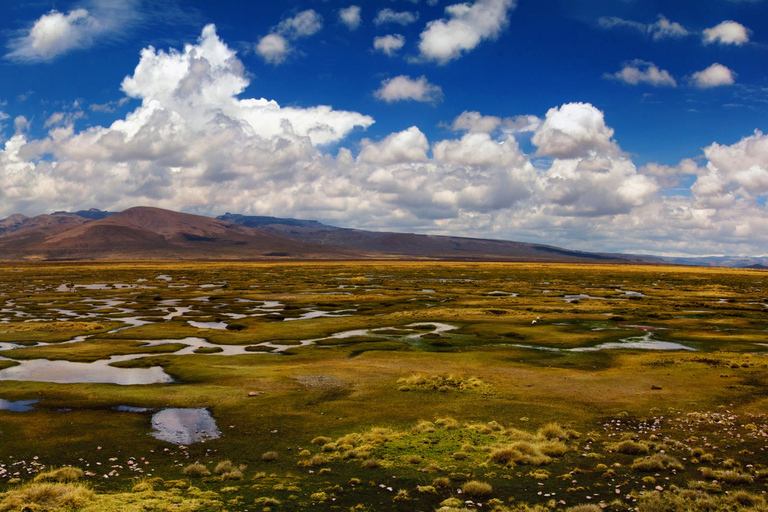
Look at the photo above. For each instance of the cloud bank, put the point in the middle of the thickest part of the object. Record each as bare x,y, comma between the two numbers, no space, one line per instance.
194,145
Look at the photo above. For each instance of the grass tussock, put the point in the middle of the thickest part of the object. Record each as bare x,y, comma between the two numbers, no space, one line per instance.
228,471
444,383
269,456
696,500
727,476
47,496
477,489
630,447
196,470
63,475
656,462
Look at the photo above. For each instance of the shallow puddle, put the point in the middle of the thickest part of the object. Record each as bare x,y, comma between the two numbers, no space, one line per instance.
184,426
645,342
19,406
208,325
68,372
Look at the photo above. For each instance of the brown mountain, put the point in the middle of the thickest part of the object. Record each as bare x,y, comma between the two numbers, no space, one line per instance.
409,245
144,233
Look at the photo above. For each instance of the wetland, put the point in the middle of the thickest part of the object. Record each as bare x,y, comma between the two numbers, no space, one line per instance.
382,386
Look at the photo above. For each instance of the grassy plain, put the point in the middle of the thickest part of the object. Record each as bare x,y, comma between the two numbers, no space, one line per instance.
532,395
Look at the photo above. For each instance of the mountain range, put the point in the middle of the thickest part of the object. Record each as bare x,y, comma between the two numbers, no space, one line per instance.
146,233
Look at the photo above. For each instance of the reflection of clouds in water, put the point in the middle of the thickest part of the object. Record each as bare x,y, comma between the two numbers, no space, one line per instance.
19,406
66,372
184,426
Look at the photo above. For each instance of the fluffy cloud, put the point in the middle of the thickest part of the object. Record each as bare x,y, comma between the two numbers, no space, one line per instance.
304,24
194,145
405,88
350,16
200,85
727,32
407,146
575,130
715,75
385,16
463,29
389,44
639,71
661,29
744,164
475,122
57,33
275,47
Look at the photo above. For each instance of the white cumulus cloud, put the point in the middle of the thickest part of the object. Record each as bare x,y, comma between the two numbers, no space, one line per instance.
727,32
639,71
193,144
464,28
574,130
57,33
407,146
715,75
405,88
350,16
389,44
275,47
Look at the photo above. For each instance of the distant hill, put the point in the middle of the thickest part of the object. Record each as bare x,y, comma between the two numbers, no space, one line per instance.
144,233
720,261
408,245
92,213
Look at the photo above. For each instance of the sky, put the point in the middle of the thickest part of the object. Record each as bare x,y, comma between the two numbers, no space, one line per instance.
634,126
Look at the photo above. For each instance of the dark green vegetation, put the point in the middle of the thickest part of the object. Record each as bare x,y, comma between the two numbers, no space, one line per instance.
451,385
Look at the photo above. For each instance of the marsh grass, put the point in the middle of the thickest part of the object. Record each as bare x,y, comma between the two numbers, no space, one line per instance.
46,496
196,470
657,462
62,475
444,383
557,391
477,489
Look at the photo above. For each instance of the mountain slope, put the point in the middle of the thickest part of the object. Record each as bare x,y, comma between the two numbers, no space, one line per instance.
410,245
152,233
145,233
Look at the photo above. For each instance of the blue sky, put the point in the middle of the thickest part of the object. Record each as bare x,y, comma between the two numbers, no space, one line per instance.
617,125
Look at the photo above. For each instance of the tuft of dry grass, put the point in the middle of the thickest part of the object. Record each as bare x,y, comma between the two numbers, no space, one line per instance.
196,470
46,496
228,471
63,475
269,456
656,462
630,447
477,489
